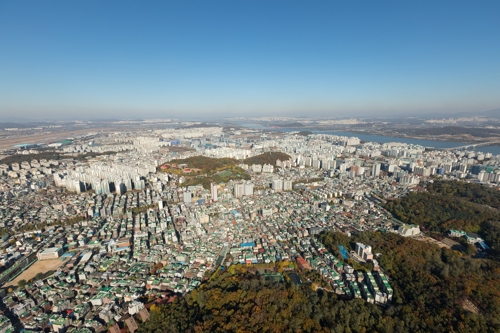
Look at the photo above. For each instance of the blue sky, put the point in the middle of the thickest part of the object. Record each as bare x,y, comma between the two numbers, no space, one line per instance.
214,58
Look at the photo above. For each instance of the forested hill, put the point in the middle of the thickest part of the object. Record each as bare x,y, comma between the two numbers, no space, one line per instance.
475,193
210,170
267,158
432,285
206,164
453,205
432,288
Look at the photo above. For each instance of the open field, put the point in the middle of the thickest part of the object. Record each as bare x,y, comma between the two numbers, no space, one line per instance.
471,307
10,142
430,240
41,266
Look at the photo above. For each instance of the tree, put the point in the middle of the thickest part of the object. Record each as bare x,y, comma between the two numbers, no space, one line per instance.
21,283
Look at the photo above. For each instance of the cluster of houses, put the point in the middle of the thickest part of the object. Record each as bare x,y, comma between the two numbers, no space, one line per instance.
120,250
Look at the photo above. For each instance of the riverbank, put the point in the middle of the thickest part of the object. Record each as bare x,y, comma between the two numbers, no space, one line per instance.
365,136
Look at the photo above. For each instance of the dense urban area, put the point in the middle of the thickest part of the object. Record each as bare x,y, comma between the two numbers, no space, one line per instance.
232,229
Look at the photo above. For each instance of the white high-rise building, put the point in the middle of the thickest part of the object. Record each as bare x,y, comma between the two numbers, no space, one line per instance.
277,185
482,176
213,191
352,141
120,188
77,186
267,168
239,190
364,251
248,189
257,168
376,170
105,187
410,180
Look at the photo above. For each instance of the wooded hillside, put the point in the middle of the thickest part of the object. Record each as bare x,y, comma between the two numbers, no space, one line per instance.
430,287
267,158
453,205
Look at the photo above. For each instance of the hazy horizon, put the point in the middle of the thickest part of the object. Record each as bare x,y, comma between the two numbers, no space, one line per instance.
128,59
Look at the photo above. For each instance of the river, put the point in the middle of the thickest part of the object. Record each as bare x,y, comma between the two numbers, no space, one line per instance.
494,149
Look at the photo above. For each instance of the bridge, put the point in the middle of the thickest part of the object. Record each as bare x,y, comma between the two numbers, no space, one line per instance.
474,145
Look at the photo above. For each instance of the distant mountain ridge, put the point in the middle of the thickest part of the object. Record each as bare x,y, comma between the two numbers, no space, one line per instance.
495,113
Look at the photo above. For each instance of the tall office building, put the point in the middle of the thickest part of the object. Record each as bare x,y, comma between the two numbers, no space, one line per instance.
213,191
376,170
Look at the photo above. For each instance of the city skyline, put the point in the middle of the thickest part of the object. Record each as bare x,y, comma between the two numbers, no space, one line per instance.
131,60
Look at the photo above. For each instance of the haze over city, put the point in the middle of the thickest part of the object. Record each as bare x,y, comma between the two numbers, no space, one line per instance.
129,59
